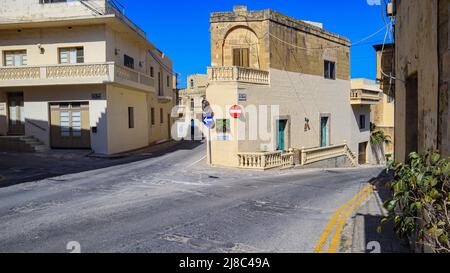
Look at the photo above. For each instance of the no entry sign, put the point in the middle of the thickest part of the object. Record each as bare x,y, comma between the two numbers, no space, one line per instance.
236,111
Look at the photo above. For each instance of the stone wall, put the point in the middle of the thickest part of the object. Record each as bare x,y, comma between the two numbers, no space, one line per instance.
444,77
13,10
304,52
415,32
421,26
277,41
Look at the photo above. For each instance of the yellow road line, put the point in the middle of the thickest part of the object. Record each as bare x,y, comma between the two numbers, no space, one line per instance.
336,239
330,227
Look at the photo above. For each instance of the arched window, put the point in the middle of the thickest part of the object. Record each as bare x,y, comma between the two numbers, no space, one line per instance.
192,83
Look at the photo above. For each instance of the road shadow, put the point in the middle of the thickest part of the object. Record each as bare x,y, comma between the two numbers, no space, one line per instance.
387,241
17,168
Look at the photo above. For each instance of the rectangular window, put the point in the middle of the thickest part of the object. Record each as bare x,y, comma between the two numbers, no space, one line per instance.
330,70
128,61
223,126
74,55
16,58
130,117
362,122
160,85
152,72
192,104
168,81
161,115
152,116
241,57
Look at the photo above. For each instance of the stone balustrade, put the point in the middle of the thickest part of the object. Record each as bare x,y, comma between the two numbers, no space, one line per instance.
238,74
73,74
19,73
309,156
285,160
365,97
75,71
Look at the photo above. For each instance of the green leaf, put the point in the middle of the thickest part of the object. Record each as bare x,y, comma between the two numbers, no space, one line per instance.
435,158
379,230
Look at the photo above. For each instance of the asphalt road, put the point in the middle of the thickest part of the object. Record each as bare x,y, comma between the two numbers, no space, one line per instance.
175,203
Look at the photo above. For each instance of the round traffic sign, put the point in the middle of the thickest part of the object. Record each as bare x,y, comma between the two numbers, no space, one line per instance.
236,111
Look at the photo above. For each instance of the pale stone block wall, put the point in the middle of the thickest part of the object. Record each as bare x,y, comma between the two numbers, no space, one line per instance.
33,10
416,43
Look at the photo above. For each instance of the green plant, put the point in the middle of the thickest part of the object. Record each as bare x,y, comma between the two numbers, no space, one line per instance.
378,137
421,200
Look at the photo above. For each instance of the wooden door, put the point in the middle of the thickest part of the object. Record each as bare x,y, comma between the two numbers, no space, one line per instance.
16,114
363,153
70,127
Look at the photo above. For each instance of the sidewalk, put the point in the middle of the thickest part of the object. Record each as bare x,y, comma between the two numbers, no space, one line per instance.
360,234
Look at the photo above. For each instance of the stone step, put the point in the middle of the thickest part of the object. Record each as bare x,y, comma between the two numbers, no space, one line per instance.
25,144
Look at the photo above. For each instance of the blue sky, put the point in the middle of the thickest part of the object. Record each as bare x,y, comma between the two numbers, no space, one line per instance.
181,28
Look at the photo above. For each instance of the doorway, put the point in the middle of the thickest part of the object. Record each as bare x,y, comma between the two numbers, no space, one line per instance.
324,131
169,127
282,125
362,158
16,115
70,126
412,116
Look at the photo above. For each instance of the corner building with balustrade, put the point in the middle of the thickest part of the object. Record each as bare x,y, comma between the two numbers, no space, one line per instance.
264,58
81,75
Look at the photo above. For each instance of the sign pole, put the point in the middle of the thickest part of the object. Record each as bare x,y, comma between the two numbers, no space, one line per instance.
209,147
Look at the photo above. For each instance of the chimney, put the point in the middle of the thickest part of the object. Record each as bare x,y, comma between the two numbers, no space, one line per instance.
239,8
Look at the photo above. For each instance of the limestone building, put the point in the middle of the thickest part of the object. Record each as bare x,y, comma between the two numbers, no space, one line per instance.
191,101
298,73
80,74
421,76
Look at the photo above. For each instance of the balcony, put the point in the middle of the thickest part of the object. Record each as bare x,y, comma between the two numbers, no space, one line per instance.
238,74
74,74
365,97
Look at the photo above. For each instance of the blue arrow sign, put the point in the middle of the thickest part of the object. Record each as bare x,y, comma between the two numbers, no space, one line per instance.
208,120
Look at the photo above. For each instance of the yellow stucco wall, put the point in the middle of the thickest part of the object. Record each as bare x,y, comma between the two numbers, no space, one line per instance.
92,38
121,138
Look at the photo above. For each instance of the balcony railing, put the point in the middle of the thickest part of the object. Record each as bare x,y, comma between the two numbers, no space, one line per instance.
365,97
73,74
238,74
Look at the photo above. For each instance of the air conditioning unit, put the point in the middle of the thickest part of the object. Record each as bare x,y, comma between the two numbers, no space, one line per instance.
390,9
